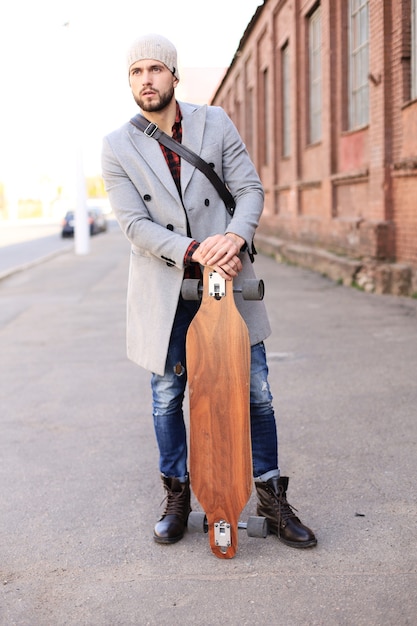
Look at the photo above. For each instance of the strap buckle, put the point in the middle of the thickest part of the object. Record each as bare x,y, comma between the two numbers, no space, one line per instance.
150,130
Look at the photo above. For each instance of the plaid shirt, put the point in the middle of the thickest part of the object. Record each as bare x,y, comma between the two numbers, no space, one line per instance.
192,270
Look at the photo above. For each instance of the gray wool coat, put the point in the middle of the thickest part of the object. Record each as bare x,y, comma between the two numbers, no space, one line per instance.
152,215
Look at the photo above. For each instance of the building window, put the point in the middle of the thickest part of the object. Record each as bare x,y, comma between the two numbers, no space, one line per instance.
286,109
314,78
358,63
249,121
265,133
414,49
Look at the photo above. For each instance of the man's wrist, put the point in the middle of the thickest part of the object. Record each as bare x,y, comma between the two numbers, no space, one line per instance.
238,240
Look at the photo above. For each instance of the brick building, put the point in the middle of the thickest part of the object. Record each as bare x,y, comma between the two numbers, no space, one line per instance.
324,95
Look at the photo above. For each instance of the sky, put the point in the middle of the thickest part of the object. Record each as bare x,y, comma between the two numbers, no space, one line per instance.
63,76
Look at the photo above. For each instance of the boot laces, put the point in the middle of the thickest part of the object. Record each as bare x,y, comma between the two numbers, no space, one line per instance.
284,509
175,503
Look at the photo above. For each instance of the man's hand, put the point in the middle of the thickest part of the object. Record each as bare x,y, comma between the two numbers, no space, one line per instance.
221,252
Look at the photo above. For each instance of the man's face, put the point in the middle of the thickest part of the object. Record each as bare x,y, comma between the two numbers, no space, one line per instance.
152,85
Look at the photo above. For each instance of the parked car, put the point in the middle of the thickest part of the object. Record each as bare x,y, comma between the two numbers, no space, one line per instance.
96,219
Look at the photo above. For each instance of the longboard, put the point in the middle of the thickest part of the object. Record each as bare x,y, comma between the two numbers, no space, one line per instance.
218,370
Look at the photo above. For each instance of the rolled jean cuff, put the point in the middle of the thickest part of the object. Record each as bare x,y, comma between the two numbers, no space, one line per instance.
182,479
275,473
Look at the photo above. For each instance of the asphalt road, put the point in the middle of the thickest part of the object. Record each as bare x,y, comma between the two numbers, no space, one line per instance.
80,490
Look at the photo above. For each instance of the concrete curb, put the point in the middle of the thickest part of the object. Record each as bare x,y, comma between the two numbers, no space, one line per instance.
25,266
371,276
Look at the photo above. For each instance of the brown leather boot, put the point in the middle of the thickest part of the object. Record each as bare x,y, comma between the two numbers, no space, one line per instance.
170,527
282,520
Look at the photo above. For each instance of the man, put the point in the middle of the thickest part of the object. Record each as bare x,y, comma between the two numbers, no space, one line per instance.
176,222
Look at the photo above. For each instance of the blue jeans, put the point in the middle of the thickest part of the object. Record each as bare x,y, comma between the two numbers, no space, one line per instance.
168,395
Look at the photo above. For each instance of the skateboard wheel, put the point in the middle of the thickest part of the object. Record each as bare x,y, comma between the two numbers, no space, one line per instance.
197,522
191,289
257,527
253,289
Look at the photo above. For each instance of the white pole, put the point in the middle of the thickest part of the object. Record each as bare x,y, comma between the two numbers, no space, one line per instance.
81,225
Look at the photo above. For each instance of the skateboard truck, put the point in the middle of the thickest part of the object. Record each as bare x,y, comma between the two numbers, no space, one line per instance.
251,288
222,534
217,286
256,526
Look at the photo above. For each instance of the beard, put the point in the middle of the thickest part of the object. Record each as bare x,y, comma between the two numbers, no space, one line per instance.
163,100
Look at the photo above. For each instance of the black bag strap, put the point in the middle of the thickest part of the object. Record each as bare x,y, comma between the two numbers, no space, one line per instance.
151,130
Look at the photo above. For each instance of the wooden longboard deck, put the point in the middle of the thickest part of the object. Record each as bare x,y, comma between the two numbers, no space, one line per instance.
218,368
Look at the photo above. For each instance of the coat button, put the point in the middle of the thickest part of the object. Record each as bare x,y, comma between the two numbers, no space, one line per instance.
170,227
147,197
207,202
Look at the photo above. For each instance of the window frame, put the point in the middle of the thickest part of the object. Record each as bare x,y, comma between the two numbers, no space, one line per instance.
286,100
413,81
315,78
358,64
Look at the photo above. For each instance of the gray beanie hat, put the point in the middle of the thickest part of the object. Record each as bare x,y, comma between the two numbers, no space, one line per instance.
154,47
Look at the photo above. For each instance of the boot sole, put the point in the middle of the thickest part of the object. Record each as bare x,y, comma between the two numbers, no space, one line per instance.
167,540
294,544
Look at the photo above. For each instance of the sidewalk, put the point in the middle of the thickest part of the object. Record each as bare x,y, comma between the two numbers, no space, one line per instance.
26,243
80,486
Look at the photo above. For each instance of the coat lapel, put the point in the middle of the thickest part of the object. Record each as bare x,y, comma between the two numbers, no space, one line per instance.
192,136
193,123
150,151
